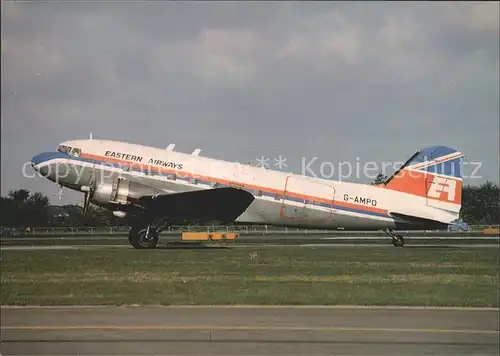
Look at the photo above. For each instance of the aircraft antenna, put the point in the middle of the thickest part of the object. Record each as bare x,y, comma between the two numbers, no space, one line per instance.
402,167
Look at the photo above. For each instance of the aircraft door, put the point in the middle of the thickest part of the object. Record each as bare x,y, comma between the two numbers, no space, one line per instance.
307,200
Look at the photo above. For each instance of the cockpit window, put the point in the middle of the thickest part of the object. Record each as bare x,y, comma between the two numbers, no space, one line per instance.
76,152
64,149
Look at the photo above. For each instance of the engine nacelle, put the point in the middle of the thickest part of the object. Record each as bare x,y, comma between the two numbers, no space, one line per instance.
119,214
121,191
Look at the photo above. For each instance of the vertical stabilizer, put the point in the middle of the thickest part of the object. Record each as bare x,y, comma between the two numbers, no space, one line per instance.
434,173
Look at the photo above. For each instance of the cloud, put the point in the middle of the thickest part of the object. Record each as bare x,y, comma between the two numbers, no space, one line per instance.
215,55
478,16
340,81
327,39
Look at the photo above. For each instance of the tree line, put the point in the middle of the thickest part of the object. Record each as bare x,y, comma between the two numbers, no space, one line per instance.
21,208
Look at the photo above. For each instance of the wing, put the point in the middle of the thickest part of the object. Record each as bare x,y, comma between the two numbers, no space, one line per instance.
223,204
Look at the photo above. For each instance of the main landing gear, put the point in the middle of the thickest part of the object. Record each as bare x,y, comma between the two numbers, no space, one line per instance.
143,237
397,240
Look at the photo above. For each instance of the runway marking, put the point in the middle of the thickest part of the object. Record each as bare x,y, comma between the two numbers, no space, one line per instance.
243,328
242,306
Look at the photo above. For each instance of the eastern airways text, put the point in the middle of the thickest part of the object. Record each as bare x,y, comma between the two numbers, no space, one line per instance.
135,158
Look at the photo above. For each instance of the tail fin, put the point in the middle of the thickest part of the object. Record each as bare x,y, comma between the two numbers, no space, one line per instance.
434,173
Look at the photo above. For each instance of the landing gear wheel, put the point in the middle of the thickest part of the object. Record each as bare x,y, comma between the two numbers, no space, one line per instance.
143,238
398,241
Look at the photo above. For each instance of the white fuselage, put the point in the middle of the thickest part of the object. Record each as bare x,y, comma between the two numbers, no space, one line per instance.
280,198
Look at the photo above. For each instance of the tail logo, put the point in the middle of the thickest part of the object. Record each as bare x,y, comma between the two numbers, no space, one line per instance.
440,185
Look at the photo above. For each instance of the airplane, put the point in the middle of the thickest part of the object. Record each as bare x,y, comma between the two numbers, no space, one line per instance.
148,187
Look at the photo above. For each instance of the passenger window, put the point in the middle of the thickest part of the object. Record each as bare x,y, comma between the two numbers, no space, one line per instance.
76,152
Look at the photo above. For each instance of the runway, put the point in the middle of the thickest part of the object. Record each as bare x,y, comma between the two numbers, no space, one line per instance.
254,245
249,331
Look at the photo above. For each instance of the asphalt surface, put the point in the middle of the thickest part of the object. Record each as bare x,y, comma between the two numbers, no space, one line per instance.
254,245
248,331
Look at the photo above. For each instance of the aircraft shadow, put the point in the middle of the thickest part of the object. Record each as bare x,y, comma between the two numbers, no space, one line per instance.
190,246
428,246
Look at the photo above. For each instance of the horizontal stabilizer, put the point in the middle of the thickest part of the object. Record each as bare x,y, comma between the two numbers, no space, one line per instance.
417,220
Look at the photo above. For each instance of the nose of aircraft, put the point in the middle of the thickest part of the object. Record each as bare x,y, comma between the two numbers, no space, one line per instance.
40,158
37,160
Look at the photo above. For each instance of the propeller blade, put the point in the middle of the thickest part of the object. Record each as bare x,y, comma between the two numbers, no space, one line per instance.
89,193
86,204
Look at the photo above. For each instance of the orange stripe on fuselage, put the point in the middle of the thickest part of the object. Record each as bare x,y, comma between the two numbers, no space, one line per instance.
185,174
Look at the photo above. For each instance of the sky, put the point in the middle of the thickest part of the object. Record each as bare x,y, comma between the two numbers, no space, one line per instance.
348,82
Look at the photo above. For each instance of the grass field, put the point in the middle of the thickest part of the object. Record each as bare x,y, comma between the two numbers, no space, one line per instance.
431,276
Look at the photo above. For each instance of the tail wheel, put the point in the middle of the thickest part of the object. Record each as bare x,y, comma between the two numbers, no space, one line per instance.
142,238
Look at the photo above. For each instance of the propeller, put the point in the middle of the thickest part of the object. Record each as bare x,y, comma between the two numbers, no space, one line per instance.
86,201
60,192
89,192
